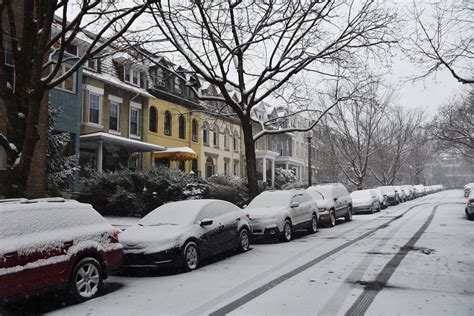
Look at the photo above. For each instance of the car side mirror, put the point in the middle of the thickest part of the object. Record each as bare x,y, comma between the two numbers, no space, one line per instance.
294,204
206,222
245,205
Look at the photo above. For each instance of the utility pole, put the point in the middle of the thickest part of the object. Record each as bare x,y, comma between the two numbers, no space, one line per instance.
310,173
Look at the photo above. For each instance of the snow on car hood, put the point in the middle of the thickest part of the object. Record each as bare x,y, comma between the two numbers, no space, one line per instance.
262,212
150,239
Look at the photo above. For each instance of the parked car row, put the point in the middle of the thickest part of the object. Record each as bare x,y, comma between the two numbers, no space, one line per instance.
468,188
57,243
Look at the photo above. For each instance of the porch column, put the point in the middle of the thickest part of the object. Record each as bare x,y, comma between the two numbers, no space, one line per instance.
100,156
273,172
152,157
286,166
264,167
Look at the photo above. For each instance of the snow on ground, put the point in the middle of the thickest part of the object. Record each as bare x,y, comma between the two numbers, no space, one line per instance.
323,273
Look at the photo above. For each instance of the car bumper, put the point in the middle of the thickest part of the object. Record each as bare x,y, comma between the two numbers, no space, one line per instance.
166,258
361,208
391,200
470,210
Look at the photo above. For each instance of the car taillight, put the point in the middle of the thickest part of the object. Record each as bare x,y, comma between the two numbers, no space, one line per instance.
114,237
471,201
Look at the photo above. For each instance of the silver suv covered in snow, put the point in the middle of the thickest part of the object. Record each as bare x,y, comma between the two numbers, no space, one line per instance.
336,202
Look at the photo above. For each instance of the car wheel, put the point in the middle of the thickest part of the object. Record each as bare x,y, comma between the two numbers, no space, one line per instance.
86,279
287,233
332,219
348,216
190,256
244,240
314,225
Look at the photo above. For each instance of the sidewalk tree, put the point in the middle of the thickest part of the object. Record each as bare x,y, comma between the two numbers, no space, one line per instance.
35,43
257,48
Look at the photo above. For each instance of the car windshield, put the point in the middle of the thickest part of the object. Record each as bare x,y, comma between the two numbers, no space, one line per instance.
315,194
361,194
325,191
387,190
270,199
170,214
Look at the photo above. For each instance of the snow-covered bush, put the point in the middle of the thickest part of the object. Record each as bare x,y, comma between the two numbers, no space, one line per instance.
228,188
283,177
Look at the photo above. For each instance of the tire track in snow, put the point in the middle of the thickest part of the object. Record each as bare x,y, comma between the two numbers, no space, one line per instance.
273,283
363,302
332,306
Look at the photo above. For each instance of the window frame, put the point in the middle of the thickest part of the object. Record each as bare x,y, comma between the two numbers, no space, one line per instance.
138,110
62,85
182,126
129,72
155,121
111,104
99,116
168,122
194,130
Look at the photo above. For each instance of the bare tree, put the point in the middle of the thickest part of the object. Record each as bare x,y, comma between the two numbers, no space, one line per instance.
421,152
392,141
257,47
352,125
38,43
443,38
453,126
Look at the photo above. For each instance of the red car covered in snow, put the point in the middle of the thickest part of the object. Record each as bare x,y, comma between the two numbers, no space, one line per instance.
55,244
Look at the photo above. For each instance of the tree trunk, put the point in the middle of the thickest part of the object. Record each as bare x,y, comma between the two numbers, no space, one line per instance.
250,158
19,175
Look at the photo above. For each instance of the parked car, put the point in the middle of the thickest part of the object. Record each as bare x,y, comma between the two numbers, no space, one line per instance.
181,234
382,198
468,188
336,203
419,190
392,196
470,206
55,244
400,191
409,191
279,213
365,201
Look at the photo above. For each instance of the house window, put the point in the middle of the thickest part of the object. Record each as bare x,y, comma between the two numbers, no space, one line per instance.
133,162
236,168
215,140
94,108
226,138
177,85
9,66
235,142
134,121
70,83
159,80
194,129
182,165
194,166
153,120
226,167
92,64
114,116
209,167
132,76
168,125
182,126
205,133
3,158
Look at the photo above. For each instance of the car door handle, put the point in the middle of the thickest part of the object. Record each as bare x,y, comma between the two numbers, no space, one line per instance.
10,254
68,243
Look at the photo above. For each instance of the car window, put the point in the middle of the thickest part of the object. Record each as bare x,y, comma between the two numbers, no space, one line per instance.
213,210
298,199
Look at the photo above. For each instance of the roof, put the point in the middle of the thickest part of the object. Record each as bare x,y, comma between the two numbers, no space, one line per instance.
134,145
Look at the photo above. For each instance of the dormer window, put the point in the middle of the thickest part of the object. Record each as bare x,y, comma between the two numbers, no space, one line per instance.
92,64
131,75
177,85
159,80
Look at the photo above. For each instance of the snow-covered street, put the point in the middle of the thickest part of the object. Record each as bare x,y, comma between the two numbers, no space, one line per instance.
414,258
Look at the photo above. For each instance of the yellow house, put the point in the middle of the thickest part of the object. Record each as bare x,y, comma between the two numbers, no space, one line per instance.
177,128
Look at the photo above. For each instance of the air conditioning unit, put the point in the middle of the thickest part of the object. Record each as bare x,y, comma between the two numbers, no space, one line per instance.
167,131
195,138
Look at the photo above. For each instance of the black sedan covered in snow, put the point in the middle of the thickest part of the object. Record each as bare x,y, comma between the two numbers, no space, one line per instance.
180,234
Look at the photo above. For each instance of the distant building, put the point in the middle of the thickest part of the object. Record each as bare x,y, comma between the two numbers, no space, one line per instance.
453,171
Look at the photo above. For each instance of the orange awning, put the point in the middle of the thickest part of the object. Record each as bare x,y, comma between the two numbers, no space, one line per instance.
177,154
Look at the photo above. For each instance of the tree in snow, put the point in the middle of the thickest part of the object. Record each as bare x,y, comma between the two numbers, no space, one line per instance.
351,128
253,51
392,142
453,127
61,165
283,177
442,38
35,43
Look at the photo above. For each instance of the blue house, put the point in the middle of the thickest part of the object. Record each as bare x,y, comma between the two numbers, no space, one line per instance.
68,97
